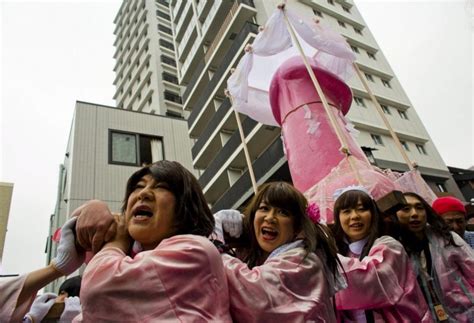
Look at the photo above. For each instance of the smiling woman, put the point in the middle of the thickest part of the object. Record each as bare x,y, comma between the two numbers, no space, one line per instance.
289,273
179,275
381,283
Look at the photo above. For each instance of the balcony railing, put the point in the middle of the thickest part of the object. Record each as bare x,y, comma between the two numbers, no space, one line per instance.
234,50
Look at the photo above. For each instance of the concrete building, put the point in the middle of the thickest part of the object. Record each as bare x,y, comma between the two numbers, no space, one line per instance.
6,192
146,77
106,145
210,37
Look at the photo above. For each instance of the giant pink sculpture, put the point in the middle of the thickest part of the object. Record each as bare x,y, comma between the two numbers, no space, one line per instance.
317,165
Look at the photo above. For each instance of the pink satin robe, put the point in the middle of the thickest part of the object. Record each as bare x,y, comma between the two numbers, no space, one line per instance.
10,289
454,268
285,288
182,279
384,282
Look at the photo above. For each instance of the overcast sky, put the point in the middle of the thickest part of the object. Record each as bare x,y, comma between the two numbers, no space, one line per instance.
54,53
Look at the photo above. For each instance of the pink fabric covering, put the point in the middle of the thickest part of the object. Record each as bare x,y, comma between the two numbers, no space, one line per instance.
455,270
322,193
285,288
10,289
182,279
385,282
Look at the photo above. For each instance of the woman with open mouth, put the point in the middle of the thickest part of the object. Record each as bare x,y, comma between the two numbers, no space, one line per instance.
382,286
443,261
289,272
178,274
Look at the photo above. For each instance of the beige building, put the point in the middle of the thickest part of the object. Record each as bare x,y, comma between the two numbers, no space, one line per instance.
106,145
216,33
6,192
146,76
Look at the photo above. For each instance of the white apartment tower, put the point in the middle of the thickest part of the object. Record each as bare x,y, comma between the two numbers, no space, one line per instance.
146,76
210,37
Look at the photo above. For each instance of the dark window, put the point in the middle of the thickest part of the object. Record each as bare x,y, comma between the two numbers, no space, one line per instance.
403,114
441,187
163,2
386,84
164,29
317,13
162,15
421,149
346,9
331,2
405,145
166,44
385,109
371,56
170,78
359,101
354,49
342,24
168,60
134,149
358,31
377,139
174,114
369,77
170,96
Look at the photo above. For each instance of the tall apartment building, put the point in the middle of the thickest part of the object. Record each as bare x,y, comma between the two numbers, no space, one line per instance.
146,76
210,37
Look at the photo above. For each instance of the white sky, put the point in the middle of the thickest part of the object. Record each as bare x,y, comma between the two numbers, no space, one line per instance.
54,53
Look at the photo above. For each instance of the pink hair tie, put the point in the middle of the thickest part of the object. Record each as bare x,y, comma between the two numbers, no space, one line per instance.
313,212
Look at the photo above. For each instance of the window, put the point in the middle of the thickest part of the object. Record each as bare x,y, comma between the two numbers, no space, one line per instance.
341,23
421,149
358,31
170,96
385,109
134,149
170,78
168,60
149,100
164,29
441,187
354,49
346,9
403,114
174,114
370,156
166,44
377,139
331,2
162,15
369,77
359,101
405,145
317,13
386,84
371,56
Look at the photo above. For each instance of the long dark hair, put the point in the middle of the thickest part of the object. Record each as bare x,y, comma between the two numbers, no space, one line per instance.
350,200
192,214
284,196
437,226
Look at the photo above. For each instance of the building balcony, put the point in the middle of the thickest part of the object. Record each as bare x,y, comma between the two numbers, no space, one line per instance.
200,114
224,19
182,24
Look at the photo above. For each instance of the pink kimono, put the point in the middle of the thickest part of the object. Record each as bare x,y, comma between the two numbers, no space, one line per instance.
286,288
182,279
10,289
385,283
453,270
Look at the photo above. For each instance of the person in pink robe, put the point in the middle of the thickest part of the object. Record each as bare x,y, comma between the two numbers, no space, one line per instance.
382,286
18,293
289,271
178,276
443,261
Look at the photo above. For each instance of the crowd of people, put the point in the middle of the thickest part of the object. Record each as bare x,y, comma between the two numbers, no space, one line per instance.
166,257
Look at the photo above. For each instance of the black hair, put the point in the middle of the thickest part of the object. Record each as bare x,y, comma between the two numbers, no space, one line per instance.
192,214
350,200
71,286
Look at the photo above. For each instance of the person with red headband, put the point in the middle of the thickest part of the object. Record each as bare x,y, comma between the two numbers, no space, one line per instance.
453,212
